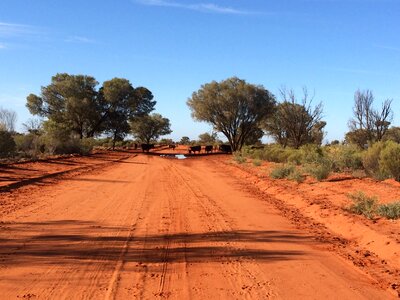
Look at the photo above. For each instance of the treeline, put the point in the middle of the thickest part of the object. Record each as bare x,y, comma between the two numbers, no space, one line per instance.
75,115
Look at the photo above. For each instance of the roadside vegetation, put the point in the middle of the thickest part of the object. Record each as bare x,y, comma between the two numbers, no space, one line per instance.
73,114
369,207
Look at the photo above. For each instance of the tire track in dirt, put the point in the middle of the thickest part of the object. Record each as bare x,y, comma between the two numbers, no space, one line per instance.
216,220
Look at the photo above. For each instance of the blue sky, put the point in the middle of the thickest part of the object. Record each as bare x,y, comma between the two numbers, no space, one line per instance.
172,47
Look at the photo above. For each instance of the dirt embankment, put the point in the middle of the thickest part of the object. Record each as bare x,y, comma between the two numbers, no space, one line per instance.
320,207
145,227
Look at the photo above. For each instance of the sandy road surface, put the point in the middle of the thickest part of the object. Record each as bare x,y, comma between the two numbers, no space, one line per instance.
150,227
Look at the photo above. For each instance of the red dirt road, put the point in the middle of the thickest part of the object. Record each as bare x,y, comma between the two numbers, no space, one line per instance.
148,227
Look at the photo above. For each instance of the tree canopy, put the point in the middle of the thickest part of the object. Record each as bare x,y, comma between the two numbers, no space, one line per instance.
73,103
295,124
150,127
233,107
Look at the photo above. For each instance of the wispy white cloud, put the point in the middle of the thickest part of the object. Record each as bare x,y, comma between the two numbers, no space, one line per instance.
79,39
202,7
12,29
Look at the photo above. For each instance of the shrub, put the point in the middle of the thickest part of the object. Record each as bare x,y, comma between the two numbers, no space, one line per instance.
238,157
275,153
371,161
7,144
256,162
319,170
390,210
282,172
295,175
389,161
363,204
30,144
345,157
295,156
311,154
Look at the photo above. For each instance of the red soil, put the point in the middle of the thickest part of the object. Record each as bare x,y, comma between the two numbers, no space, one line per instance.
127,225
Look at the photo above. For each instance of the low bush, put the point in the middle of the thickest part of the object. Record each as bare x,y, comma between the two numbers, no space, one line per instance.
311,154
239,158
389,210
389,160
256,162
7,144
345,157
295,175
363,204
282,172
319,170
371,161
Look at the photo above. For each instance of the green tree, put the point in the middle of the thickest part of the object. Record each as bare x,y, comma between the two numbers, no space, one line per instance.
295,124
150,127
393,134
233,107
70,100
120,102
207,138
254,137
185,140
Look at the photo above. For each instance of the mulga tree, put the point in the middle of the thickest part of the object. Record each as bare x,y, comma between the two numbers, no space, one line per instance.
120,102
70,101
148,128
232,106
368,124
296,122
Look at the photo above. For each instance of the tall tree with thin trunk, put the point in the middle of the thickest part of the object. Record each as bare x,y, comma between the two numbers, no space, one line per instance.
368,124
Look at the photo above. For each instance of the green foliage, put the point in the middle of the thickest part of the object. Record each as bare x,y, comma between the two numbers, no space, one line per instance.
392,134
319,170
275,153
363,205
7,144
74,103
150,127
294,124
296,175
372,161
185,140
239,158
369,207
257,162
282,172
389,210
233,107
311,154
345,157
30,144
207,138
389,160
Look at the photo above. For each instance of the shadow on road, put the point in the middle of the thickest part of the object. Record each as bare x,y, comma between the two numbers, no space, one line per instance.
76,242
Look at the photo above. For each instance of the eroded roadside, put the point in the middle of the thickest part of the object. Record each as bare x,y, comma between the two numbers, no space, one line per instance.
319,207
